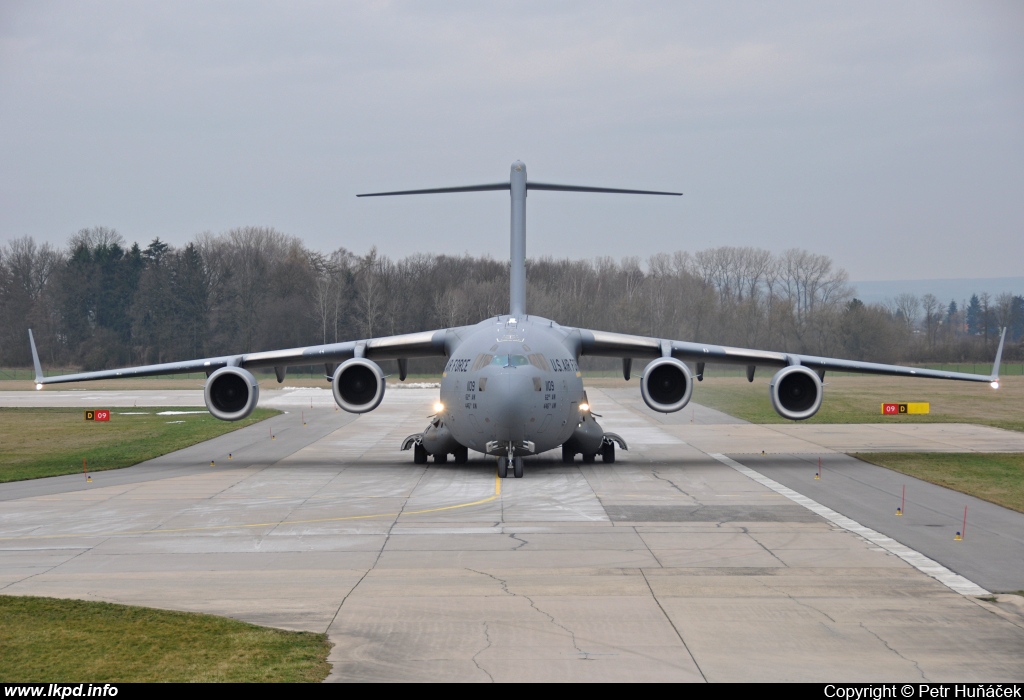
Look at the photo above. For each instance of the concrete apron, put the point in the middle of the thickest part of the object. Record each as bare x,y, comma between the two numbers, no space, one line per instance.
668,565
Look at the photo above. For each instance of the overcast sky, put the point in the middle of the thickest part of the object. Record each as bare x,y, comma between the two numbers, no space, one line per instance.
887,135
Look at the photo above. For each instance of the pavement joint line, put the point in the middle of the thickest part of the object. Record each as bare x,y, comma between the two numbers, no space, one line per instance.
953,581
496,495
672,624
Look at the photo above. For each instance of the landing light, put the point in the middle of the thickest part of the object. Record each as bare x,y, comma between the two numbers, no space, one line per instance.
584,407
995,385
39,387
438,407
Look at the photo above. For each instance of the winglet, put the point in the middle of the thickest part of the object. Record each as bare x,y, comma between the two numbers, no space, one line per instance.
999,356
39,368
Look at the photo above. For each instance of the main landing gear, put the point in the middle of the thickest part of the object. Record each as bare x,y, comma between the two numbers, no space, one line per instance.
606,452
460,453
505,462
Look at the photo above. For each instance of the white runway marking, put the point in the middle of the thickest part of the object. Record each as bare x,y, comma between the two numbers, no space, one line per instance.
937,571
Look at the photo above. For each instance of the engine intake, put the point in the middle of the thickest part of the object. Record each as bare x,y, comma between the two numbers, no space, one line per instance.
666,385
358,385
796,392
231,393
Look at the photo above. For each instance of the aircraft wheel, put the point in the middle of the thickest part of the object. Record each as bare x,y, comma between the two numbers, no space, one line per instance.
517,467
461,454
567,455
502,467
608,453
441,458
419,454
589,459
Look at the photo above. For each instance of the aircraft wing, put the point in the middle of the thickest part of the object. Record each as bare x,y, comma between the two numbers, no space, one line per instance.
396,347
607,344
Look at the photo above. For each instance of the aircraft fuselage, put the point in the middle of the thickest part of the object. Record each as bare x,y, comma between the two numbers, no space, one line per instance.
512,384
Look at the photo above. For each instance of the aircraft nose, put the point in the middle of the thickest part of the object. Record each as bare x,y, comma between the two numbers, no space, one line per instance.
516,404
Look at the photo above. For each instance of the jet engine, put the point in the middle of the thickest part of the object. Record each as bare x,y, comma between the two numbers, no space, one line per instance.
666,385
795,392
231,393
358,385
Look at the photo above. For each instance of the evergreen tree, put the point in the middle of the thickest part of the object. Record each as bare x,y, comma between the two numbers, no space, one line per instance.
974,316
1016,325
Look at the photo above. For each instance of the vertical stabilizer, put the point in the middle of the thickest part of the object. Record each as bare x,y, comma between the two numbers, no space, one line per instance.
517,252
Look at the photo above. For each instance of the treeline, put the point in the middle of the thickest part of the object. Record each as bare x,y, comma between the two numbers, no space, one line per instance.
100,303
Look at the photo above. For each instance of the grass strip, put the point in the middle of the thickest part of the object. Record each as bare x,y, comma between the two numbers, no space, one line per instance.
74,641
858,399
41,442
994,477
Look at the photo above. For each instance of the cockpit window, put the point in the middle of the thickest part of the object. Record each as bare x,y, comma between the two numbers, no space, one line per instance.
482,361
509,361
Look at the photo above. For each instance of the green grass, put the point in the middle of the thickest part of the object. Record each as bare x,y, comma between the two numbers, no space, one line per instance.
858,399
997,478
63,641
40,442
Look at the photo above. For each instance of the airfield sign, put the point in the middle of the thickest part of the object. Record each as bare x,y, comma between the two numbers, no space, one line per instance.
901,409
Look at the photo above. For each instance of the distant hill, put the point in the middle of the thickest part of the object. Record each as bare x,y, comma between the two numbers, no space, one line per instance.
944,290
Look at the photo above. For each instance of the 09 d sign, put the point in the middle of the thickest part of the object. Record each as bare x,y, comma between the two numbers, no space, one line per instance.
902,409
97,415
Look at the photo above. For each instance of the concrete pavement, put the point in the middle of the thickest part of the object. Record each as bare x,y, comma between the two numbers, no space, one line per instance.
668,565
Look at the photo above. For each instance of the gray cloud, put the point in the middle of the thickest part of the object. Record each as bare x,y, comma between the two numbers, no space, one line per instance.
885,136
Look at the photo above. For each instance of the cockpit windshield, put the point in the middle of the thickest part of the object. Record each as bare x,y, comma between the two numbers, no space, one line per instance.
509,361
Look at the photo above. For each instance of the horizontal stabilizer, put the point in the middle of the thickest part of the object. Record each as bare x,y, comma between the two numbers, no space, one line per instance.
529,186
443,190
581,188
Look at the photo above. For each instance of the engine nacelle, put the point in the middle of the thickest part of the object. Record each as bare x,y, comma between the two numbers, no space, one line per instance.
666,385
358,385
796,392
231,393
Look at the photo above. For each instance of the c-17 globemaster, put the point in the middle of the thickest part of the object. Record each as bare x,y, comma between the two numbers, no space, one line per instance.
512,387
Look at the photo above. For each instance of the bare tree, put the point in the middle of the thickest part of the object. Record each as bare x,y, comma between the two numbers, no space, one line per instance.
1002,311
371,287
932,315
906,307
813,290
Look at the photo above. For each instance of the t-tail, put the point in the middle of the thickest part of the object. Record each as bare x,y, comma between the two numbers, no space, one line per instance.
517,186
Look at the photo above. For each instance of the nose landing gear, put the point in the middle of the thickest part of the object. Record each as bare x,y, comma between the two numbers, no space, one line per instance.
505,462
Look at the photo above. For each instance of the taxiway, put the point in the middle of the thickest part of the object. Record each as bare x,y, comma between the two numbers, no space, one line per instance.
692,558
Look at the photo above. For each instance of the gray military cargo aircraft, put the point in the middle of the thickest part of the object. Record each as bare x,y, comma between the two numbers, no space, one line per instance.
512,386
